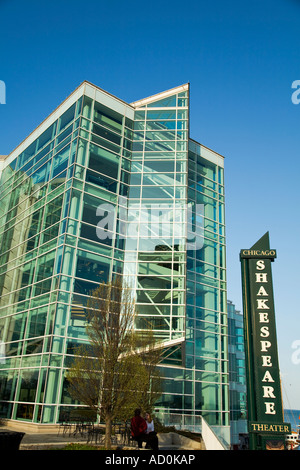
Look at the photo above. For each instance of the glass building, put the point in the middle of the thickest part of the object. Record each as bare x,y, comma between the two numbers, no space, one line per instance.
104,187
237,376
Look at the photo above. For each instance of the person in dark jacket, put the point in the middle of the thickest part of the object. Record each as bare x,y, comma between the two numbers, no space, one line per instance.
138,428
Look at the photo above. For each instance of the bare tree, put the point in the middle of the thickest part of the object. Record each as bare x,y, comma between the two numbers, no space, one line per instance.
117,369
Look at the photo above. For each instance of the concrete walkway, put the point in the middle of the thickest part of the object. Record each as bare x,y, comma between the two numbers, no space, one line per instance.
44,441
58,440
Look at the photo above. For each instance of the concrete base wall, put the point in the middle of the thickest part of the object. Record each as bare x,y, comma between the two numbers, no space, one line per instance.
179,441
30,427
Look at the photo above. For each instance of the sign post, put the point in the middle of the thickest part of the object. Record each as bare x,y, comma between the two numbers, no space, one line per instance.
265,412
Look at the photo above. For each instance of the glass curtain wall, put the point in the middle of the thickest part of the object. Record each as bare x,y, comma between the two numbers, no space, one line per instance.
200,386
104,190
155,259
53,255
35,188
206,314
237,376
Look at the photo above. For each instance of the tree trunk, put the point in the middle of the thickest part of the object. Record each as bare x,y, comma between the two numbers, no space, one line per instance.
108,431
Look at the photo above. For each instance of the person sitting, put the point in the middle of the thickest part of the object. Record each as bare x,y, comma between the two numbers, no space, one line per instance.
152,439
138,428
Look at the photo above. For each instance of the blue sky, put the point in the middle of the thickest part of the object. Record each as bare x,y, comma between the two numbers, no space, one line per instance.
240,59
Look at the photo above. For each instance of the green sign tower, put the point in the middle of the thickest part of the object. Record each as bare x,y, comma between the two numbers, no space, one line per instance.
265,412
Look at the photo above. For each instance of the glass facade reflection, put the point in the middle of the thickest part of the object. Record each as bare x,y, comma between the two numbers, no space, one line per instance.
237,376
100,188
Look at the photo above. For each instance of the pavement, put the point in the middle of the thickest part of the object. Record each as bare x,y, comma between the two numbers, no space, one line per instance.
46,441
59,440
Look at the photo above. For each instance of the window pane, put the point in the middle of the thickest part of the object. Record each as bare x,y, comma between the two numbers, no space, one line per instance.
102,132
107,117
46,137
161,115
91,266
103,161
159,166
164,103
157,192
66,118
101,180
